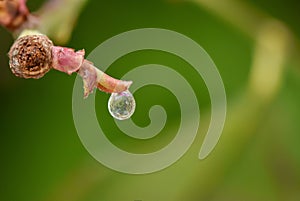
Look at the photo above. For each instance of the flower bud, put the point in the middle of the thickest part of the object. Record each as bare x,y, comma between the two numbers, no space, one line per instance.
31,56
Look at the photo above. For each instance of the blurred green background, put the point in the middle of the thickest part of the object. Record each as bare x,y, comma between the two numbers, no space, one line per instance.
254,44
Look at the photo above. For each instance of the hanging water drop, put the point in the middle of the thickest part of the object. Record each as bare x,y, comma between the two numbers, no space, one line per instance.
121,105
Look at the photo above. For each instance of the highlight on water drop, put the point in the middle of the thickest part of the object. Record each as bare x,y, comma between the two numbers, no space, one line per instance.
121,105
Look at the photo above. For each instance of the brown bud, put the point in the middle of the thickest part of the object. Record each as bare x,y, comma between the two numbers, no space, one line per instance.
30,56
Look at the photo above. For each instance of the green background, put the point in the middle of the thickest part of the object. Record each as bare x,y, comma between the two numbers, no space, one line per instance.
257,157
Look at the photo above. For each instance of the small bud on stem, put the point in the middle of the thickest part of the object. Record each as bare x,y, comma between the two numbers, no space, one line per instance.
32,56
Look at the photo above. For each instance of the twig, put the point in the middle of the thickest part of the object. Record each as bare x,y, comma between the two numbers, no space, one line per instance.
33,54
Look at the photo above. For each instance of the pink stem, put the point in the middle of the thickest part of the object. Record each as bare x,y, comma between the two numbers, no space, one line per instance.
15,16
68,61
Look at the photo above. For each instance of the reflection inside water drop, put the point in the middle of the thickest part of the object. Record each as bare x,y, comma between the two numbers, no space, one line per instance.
121,105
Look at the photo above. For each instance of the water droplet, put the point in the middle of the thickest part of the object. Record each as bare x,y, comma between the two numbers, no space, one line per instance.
121,105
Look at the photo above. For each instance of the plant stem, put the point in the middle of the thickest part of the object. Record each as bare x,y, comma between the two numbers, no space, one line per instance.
15,16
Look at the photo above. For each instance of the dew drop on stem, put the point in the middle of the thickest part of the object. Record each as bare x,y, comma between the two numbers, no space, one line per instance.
121,105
